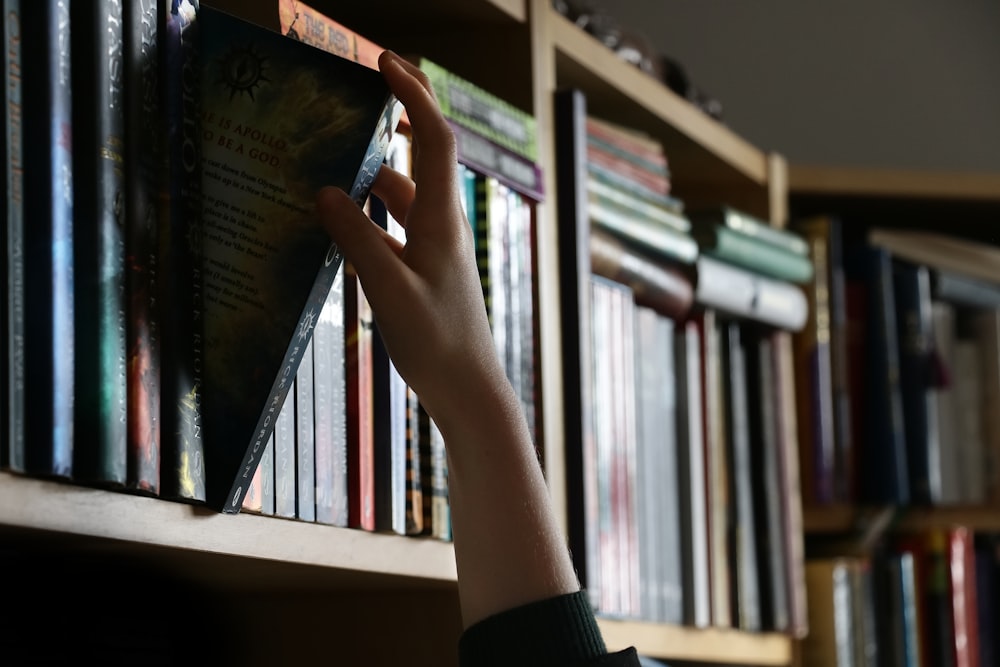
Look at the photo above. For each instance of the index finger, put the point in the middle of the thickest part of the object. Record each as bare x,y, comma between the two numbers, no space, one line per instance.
435,153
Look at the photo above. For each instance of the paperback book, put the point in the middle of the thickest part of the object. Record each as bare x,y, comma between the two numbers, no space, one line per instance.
279,120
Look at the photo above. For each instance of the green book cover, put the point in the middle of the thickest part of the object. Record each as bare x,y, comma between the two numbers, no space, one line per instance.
279,120
750,252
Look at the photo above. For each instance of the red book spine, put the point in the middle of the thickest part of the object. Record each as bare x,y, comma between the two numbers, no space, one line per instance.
360,427
962,566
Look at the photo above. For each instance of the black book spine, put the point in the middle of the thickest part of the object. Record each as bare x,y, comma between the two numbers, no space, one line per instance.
143,174
12,442
48,170
99,242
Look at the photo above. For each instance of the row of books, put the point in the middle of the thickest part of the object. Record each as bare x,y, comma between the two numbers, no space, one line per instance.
923,598
682,457
900,366
190,398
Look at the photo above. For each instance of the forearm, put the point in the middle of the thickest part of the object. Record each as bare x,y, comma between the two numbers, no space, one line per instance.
508,545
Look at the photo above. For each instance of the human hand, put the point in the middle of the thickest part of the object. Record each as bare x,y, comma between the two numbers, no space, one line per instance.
426,295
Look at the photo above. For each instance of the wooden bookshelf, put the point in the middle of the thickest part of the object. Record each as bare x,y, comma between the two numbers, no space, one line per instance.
523,51
845,519
895,183
713,645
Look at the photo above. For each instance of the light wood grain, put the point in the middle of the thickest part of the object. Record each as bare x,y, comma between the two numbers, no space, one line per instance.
908,183
713,645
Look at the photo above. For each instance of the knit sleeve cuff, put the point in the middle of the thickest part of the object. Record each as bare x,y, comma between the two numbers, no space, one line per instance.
557,631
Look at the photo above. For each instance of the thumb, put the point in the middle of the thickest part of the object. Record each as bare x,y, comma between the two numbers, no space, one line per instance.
369,248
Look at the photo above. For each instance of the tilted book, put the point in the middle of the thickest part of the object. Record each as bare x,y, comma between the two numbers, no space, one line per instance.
280,120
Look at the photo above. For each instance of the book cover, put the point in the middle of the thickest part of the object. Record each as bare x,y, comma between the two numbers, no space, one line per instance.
280,119
283,437
13,408
788,240
986,334
490,158
144,149
48,241
961,290
100,455
940,251
305,437
182,459
307,24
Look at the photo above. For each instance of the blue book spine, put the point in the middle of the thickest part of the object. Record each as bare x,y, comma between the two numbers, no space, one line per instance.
49,304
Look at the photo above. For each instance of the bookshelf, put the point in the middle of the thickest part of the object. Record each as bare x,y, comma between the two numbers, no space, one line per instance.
292,561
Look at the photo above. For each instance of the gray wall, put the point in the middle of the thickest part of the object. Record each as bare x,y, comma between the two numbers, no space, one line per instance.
879,83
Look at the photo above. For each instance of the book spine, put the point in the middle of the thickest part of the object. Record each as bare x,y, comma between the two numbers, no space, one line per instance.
481,111
959,289
12,454
734,247
612,178
330,405
602,156
284,456
746,224
692,478
911,286
652,236
883,465
745,294
659,286
305,438
964,591
101,405
49,275
492,159
266,468
628,141
360,427
814,382
647,167
300,21
143,173
182,342
600,192
986,333
414,486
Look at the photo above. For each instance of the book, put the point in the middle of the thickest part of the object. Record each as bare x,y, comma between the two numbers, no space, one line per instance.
307,24
788,240
750,252
918,380
964,590
434,479
46,35
961,290
305,436
830,641
663,241
358,333
12,455
182,457
330,408
280,119
492,159
940,251
883,468
743,293
599,191
986,334
414,481
100,455
481,111
692,489
145,150
283,437
656,285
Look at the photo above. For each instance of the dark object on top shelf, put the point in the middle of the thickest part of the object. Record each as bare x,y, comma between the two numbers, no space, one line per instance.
637,49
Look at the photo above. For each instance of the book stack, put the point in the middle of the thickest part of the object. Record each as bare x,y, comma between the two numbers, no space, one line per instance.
682,461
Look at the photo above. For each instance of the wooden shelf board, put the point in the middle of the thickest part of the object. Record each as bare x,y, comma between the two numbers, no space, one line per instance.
245,540
427,15
711,645
903,183
620,92
849,518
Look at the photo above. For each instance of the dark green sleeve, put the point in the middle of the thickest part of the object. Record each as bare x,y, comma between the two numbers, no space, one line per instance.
558,632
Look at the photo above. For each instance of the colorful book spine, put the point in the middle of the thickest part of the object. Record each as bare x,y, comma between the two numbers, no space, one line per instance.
749,252
600,192
304,23
181,285
12,455
481,111
492,159
657,285
305,437
646,233
48,258
414,485
358,333
101,402
744,223
330,409
143,149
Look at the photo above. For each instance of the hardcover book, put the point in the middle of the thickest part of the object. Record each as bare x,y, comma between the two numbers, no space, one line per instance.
100,453
280,119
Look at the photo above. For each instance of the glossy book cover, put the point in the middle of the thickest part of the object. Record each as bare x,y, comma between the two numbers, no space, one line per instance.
279,120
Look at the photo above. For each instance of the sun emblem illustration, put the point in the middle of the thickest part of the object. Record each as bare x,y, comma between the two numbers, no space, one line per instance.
308,322
243,69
